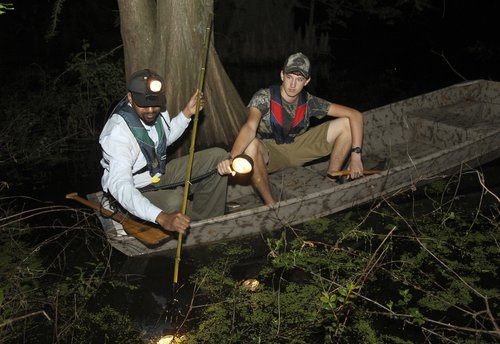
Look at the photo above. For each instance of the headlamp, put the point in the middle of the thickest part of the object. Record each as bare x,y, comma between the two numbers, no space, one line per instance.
154,85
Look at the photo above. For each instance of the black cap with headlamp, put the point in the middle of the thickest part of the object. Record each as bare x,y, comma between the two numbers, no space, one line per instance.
147,89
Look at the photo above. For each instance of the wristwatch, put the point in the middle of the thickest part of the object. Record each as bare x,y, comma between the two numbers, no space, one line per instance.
356,150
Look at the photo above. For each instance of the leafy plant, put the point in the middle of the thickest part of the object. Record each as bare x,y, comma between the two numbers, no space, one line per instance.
6,6
60,119
47,294
430,275
106,325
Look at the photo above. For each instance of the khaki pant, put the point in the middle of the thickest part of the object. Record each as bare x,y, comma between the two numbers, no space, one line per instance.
307,147
208,194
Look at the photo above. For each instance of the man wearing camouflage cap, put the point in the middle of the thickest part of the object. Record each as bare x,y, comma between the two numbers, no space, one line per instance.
134,145
277,132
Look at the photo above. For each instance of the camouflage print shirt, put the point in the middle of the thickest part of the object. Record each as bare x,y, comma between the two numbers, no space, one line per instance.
316,107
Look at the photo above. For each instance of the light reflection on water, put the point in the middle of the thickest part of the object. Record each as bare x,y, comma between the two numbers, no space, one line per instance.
154,276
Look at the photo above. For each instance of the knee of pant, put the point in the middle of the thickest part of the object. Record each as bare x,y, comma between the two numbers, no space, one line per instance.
217,153
168,200
175,200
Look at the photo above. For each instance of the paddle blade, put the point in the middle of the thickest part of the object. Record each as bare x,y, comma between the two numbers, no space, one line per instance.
147,234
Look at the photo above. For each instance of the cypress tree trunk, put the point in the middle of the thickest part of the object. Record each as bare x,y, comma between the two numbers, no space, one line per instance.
168,37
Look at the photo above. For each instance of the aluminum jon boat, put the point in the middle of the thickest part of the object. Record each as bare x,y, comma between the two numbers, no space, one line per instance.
412,141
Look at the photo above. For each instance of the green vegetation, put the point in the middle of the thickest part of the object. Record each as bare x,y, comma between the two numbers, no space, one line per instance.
53,280
6,6
54,264
60,119
379,276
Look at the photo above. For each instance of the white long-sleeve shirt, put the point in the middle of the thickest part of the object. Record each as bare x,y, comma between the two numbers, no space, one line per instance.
122,157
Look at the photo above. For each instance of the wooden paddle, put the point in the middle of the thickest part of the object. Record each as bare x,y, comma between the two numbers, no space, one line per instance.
346,173
145,233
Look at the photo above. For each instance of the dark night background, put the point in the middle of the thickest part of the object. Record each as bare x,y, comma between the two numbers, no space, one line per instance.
370,63
364,49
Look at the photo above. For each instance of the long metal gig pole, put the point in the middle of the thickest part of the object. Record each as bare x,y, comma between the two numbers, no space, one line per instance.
201,82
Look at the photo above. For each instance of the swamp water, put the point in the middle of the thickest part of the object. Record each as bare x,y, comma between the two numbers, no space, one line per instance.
154,274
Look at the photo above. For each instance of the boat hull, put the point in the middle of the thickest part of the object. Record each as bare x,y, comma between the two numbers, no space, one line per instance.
413,141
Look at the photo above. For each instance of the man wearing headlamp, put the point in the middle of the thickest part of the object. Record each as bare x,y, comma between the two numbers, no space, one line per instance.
134,145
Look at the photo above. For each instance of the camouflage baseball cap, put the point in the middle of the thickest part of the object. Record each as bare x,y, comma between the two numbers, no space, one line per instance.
297,62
